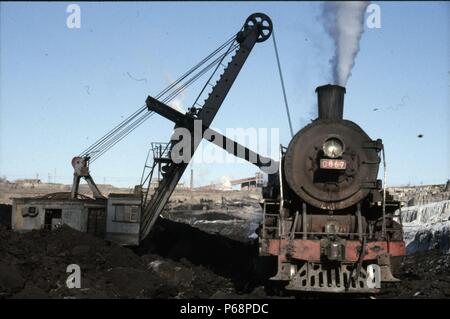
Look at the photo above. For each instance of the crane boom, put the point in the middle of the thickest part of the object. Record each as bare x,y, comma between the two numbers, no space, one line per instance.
257,28
266,164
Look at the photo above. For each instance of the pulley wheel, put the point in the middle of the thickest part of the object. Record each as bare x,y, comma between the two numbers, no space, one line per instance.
263,23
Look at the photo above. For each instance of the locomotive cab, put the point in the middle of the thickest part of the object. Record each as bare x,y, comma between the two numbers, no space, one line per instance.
326,215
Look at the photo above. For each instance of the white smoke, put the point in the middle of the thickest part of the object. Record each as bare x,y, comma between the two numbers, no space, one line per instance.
344,22
178,102
225,182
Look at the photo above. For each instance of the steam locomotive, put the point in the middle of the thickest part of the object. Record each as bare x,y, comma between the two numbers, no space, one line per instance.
327,218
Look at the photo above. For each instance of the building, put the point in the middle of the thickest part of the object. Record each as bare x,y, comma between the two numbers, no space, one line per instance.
123,218
256,181
115,218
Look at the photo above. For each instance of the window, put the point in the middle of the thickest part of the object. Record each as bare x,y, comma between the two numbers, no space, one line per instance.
126,213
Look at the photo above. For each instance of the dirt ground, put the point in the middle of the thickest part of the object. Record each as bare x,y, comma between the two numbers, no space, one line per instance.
176,261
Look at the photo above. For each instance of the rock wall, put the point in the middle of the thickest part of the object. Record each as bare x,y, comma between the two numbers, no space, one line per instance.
420,195
427,227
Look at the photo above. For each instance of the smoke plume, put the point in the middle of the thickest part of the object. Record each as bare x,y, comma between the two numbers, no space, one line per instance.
178,102
344,22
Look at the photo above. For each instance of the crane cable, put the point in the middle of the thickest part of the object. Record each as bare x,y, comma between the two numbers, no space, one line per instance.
124,128
133,121
119,136
282,83
94,148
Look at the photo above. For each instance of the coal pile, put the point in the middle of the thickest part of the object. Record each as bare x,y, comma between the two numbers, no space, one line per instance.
229,258
177,261
423,275
34,264
5,215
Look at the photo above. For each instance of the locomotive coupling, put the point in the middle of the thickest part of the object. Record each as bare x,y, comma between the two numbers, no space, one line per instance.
333,249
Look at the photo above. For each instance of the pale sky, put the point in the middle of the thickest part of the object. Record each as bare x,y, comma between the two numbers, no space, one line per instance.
61,88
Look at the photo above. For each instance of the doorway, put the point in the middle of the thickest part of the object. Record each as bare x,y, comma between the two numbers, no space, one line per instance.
52,218
96,222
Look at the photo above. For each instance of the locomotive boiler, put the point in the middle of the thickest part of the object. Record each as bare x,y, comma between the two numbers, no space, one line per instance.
327,218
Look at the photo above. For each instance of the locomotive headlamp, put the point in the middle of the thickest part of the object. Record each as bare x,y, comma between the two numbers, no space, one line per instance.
333,148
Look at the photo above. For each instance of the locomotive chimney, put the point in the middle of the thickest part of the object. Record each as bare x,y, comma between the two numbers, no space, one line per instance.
330,101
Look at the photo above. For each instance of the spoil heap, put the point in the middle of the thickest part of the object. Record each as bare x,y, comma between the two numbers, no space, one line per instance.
178,261
424,275
34,265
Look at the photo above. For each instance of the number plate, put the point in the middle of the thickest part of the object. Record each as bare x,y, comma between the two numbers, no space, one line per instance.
332,164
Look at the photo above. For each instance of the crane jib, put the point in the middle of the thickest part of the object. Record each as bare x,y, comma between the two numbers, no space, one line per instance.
196,127
257,28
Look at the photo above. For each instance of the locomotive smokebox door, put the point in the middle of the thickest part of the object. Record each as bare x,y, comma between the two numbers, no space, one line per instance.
327,163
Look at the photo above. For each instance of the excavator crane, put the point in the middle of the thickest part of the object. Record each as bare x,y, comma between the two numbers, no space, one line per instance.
196,121
257,28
